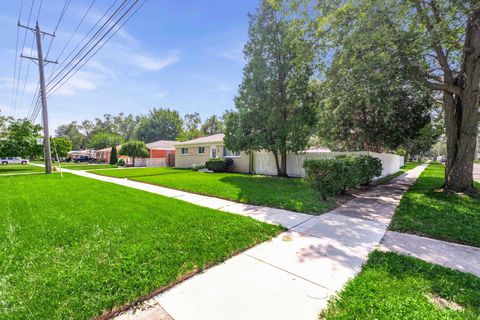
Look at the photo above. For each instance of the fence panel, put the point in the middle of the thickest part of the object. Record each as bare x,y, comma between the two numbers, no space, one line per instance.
264,162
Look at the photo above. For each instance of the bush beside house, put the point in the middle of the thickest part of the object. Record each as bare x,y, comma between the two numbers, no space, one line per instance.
219,164
331,177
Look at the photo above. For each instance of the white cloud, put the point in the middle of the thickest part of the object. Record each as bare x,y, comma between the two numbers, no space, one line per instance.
82,81
151,63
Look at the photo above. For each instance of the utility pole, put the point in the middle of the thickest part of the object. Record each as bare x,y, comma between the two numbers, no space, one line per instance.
43,94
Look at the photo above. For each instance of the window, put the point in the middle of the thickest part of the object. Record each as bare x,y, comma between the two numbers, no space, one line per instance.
201,150
213,152
230,154
184,151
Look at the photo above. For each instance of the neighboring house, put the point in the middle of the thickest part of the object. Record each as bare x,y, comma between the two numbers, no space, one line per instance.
198,151
161,153
104,154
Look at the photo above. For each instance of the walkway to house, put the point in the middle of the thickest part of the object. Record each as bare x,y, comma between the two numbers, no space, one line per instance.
289,277
452,255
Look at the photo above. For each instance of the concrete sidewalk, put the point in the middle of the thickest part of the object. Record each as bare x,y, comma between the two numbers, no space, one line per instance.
290,277
455,256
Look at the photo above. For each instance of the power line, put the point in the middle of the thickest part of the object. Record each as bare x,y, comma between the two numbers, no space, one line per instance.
62,14
16,58
20,64
90,41
128,18
85,58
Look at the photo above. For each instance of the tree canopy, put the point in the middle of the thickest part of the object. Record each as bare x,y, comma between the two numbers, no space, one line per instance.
274,106
105,140
159,124
20,139
134,149
212,125
435,43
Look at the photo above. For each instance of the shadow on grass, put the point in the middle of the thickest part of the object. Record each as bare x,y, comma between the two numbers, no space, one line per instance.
284,193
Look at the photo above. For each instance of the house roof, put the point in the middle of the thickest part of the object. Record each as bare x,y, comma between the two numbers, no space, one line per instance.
162,145
215,138
108,149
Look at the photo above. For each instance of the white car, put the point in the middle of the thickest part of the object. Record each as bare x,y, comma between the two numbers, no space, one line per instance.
13,160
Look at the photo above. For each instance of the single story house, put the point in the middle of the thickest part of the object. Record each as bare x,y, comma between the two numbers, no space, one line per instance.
104,154
161,153
198,151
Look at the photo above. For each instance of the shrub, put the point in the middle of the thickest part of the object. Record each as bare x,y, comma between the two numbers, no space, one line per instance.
219,164
325,176
113,156
331,177
121,162
197,166
369,167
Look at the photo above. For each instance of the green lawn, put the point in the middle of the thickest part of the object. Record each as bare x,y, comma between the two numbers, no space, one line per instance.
73,248
19,168
80,166
392,286
285,193
407,166
424,210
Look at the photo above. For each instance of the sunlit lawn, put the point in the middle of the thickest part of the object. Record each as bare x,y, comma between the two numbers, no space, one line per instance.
18,168
392,286
285,193
74,248
425,210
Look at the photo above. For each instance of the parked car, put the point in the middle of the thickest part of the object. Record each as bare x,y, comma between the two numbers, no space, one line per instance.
13,160
84,159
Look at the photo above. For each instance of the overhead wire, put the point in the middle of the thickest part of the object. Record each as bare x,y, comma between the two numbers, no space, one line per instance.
16,58
36,108
61,85
78,64
20,63
62,14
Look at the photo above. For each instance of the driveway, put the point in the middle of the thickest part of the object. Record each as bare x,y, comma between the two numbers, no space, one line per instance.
476,172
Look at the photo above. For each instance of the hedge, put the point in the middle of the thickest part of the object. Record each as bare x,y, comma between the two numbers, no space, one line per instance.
219,164
331,177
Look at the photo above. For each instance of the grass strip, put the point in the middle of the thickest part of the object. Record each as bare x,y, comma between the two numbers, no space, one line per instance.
427,211
392,286
75,248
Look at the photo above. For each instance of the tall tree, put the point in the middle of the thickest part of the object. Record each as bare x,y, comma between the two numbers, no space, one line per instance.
191,123
113,156
365,103
60,147
438,45
212,125
134,149
159,124
105,140
72,132
20,139
275,109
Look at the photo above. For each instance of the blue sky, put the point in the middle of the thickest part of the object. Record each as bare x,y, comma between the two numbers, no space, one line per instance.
185,55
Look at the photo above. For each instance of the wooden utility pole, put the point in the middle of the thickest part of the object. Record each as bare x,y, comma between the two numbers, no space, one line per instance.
43,94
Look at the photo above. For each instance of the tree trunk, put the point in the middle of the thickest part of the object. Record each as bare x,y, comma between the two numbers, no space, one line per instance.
275,155
462,114
133,161
283,165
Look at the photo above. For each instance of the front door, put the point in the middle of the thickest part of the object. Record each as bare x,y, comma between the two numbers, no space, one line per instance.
213,152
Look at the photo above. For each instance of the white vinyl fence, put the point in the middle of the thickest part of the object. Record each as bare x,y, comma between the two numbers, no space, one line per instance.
264,162
150,162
